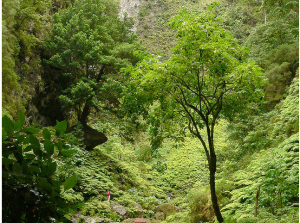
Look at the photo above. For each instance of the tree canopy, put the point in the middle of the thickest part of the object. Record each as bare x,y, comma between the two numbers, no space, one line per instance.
205,79
88,42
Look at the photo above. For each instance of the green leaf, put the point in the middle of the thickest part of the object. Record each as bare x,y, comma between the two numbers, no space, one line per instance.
34,169
37,150
34,141
8,125
21,118
20,139
46,134
29,156
7,161
59,145
49,170
44,185
30,130
70,182
21,121
29,148
3,134
17,168
61,127
36,125
49,147
67,153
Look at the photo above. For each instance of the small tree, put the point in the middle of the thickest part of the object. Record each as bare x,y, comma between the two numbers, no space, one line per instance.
206,79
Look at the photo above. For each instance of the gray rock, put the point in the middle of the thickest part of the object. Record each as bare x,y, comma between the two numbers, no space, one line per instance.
119,209
160,216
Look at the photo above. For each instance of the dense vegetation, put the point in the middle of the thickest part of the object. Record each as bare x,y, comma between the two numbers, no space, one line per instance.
201,102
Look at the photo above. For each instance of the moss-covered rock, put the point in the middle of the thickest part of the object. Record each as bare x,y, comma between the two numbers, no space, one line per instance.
167,209
160,216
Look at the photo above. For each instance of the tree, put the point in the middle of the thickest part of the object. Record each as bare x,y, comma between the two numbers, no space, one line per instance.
88,41
206,79
31,192
86,49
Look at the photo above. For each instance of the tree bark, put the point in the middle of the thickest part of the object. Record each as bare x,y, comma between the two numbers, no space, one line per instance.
214,199
91,137
256,202
84,115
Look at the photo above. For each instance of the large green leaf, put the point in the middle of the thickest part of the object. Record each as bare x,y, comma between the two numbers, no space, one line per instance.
29,148
21,118
44,185
7,161
37,151
68,152
49,147
61,127
30,130
59,145
49,170
8,125
34,141
20,138
34,169
70,182
3,134
29,156
46,134
21,121
17,168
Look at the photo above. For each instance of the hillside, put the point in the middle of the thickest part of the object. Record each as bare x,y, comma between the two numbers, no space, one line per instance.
148,99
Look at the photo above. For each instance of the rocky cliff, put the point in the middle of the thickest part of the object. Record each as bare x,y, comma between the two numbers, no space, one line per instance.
151,20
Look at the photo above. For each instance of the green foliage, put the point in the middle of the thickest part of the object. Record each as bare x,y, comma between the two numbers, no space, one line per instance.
270,30
286,118
11,89
181,175
153,20
96,208
31,191
275,171
88,43
255,131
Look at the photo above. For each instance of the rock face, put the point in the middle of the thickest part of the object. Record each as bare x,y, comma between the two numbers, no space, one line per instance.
119,209
92,137
167,209
132,8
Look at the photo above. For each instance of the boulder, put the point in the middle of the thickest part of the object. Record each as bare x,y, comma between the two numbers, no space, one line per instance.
160,216
140,212
119,209
167,209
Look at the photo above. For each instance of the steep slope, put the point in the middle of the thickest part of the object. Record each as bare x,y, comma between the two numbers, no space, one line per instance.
151,21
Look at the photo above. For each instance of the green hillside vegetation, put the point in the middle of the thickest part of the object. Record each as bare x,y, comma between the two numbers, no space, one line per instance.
202,102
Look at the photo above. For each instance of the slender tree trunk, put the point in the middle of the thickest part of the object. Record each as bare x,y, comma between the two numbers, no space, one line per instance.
256,202
84,115
214,199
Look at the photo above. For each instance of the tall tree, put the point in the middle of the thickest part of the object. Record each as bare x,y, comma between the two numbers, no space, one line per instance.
206,79
88,44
